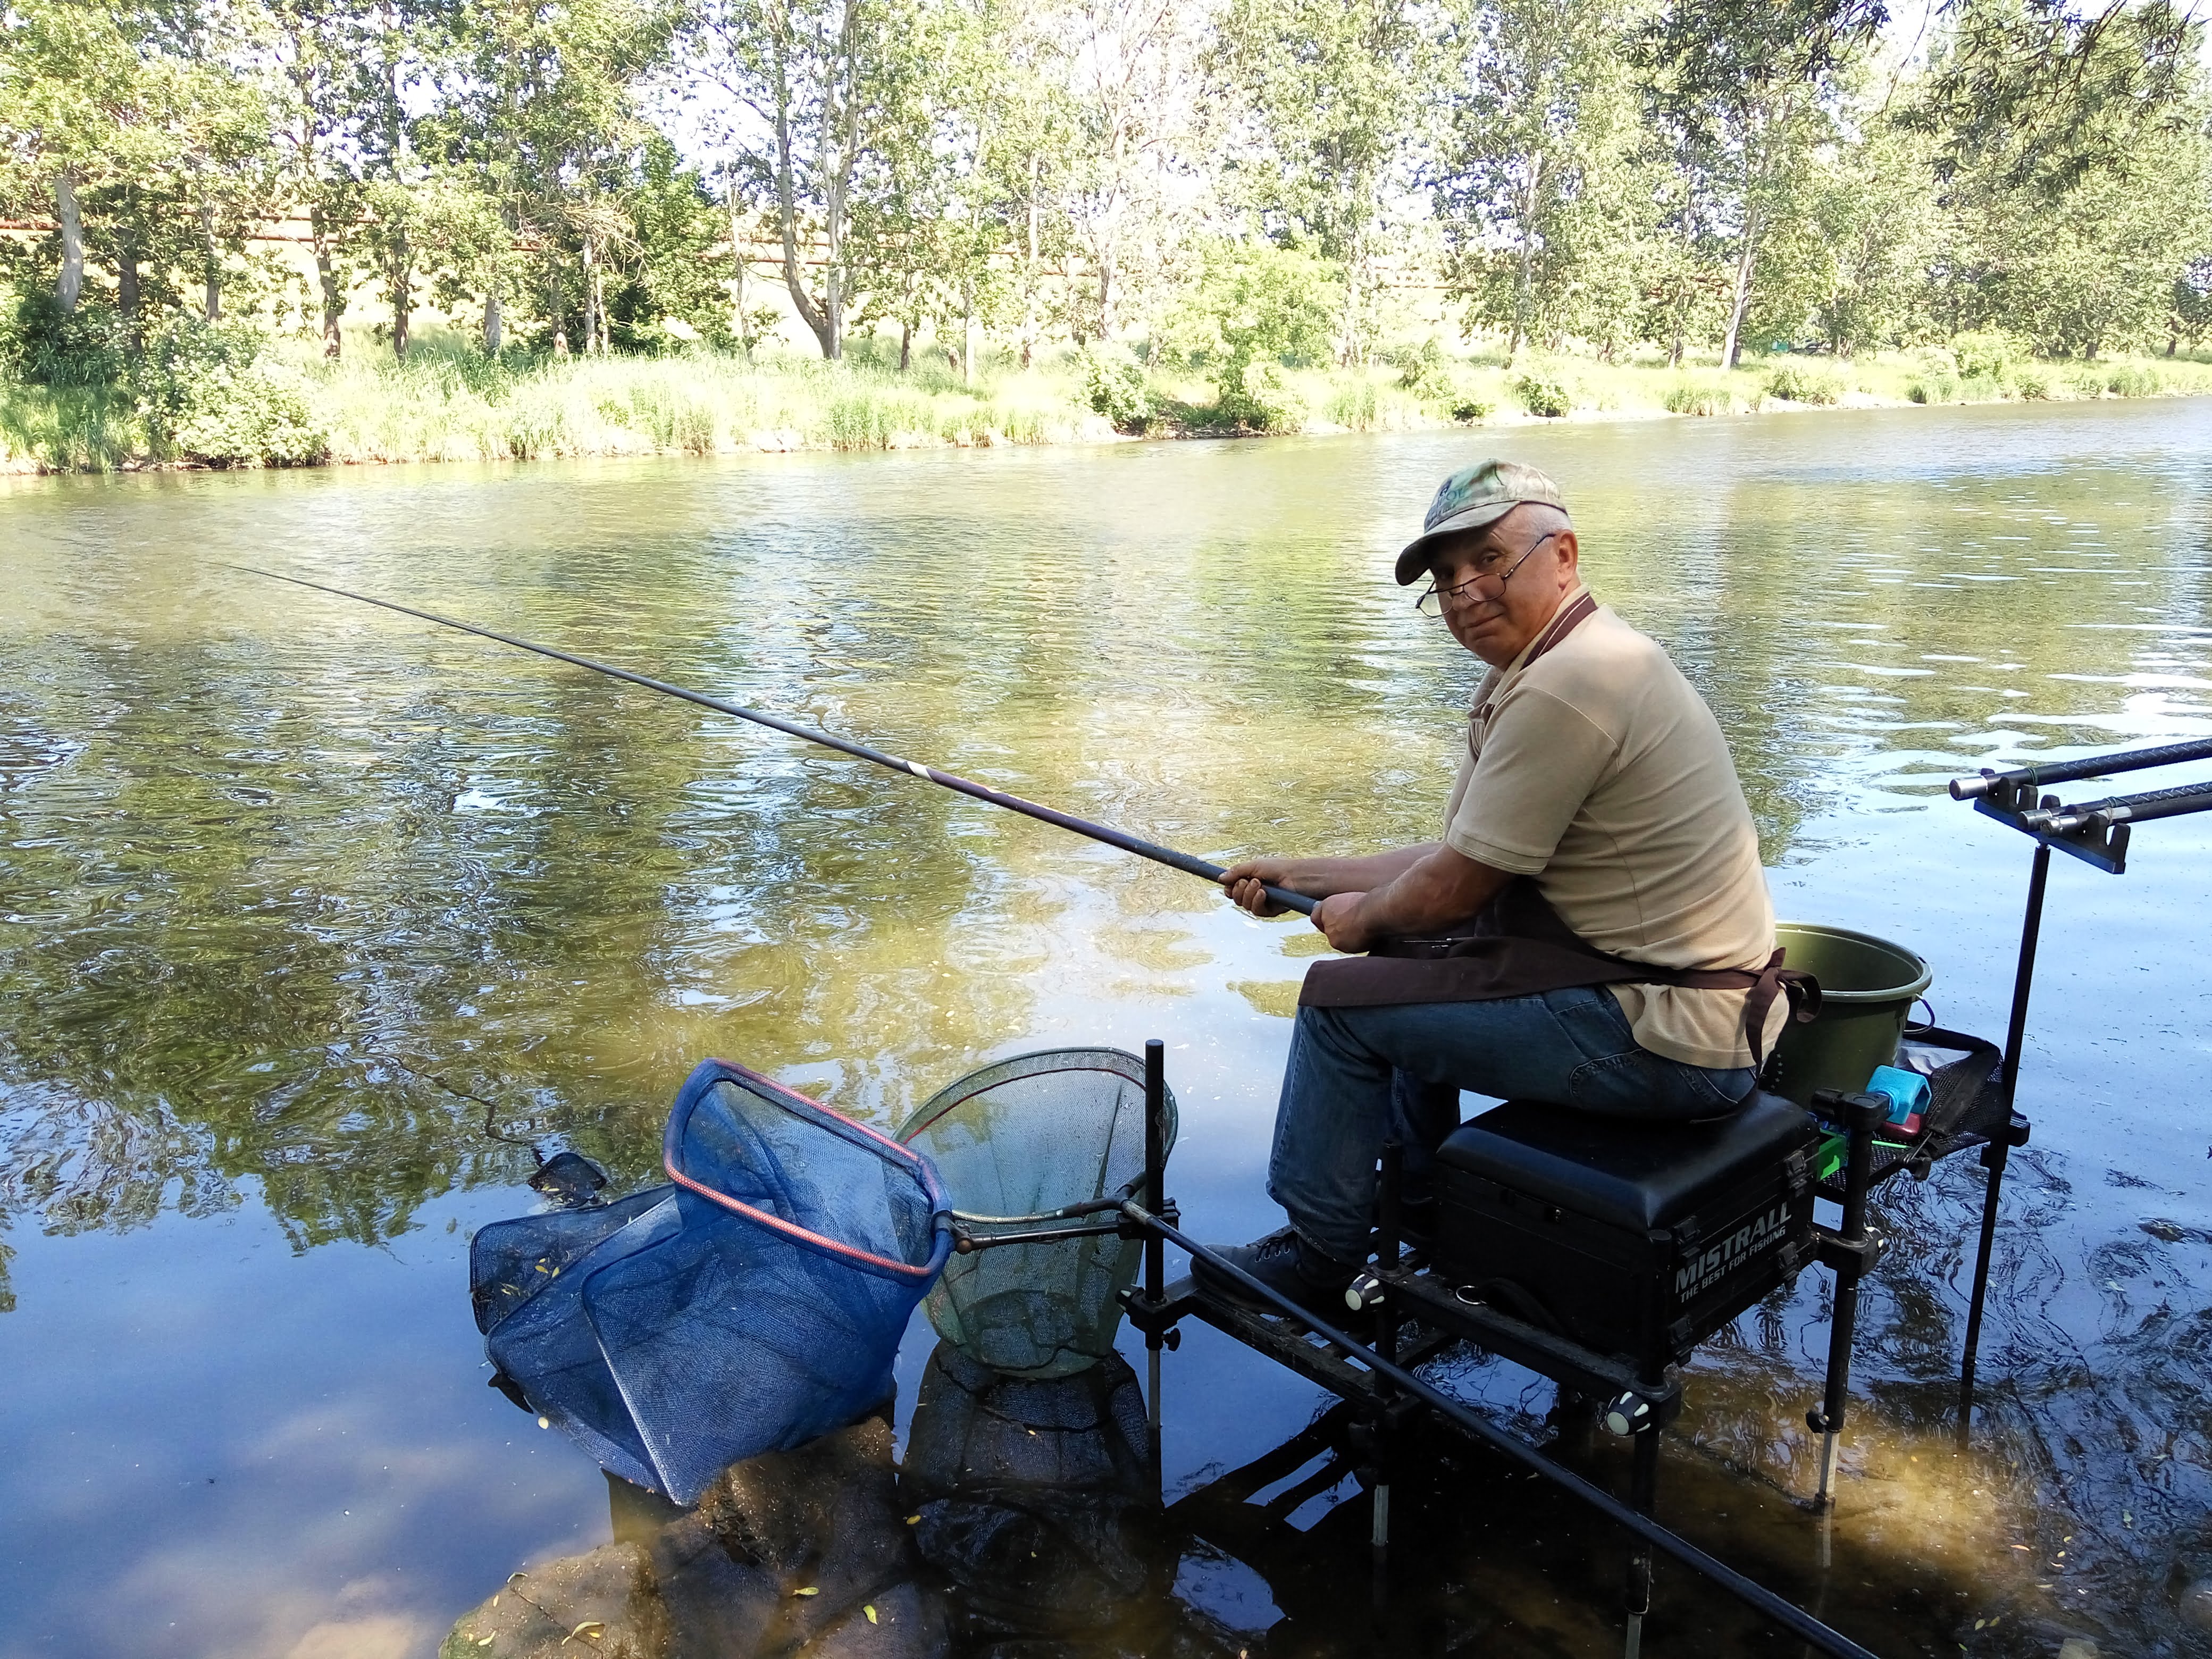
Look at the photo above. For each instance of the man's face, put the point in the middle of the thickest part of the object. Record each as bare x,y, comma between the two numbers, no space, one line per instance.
1500,585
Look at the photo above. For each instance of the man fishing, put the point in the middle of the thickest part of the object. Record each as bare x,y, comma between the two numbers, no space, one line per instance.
1593,929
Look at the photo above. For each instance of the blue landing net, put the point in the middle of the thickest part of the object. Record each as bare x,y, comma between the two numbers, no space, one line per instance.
755,1302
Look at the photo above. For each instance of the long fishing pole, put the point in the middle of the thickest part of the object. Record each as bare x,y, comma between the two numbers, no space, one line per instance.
1128,843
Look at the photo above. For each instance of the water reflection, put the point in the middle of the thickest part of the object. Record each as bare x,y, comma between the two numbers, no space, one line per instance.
286,889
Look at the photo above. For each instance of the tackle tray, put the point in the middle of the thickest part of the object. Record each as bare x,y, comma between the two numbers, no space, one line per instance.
1966,1110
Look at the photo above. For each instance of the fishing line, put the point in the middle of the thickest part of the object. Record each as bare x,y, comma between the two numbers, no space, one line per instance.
1154,851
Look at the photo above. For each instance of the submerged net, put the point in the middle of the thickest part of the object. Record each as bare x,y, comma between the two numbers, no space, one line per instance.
753,1304
1013,1144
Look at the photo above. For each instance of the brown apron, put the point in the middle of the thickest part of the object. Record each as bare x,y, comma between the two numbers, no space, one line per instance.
1519,947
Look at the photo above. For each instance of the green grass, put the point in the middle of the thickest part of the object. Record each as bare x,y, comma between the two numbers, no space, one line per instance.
447,403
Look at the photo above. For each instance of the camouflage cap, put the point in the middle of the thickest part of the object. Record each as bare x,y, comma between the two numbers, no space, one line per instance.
1471,498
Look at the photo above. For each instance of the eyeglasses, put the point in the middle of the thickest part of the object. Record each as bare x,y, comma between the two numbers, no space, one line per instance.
1432,600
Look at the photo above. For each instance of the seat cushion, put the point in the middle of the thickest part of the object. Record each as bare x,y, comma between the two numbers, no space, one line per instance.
1633,1175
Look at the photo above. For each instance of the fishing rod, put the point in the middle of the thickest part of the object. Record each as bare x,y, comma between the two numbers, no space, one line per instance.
1128,843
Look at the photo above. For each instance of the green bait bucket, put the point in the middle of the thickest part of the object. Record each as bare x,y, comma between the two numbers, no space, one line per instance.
1868,987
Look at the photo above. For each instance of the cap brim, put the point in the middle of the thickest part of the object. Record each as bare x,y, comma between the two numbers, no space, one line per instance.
1415,558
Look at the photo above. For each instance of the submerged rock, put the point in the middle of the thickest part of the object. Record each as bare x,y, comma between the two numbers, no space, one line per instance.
604,1600
802,1553
2196,1603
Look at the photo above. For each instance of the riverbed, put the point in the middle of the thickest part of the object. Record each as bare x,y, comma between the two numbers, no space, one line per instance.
314,919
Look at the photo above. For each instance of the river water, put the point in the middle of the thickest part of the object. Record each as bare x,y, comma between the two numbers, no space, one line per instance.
288,887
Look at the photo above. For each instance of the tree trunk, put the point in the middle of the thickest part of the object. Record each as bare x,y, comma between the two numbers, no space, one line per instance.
71,289
327,277
493,332
1029,268
1745,261
737,274
210,266
1348,347
403,297
968,330
906,347
126,288
594,346
787,206
1521,276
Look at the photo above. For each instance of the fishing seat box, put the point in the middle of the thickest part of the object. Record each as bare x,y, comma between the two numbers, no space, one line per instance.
1632,1239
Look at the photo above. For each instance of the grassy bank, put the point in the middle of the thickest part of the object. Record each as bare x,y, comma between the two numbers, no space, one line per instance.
447,403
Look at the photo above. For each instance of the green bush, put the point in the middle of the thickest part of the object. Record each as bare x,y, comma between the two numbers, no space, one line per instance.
1469,410
1542,393
1689,397
1804,383
1935,377
1358,406
2087,381
69,428
1259,398
1990,352
2133,380
2031,383
1426,373
206,395
41,346
1113,385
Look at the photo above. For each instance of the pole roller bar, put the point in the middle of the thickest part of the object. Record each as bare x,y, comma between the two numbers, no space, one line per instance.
2096,766
1189,864
2121,809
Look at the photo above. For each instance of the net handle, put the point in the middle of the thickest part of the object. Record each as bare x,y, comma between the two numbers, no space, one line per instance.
1066,1213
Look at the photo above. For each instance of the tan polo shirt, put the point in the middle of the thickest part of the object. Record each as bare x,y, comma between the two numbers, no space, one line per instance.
1599,770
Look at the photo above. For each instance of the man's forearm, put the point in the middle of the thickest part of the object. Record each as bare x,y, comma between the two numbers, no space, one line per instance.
1319,877
1434,892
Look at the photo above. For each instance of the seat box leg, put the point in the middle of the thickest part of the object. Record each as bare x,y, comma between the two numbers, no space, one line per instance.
1849,1253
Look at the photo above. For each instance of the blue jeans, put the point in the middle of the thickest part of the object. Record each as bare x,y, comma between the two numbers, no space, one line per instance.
1359,1077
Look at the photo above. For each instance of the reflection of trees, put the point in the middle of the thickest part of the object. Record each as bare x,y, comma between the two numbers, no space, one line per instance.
289,896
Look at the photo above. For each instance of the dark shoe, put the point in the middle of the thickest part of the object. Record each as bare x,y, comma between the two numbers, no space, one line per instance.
1282,1262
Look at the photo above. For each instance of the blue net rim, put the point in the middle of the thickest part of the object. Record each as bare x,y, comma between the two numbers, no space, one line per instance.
711,1072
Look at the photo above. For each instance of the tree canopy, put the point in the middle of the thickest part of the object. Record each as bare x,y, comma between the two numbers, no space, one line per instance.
623,175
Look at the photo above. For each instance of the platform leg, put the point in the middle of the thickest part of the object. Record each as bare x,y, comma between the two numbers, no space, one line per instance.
1994,1156
1642,1493
1389,1196
1156,1088
1850,1259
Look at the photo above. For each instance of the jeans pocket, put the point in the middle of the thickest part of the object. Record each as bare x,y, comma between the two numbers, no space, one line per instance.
1595,1022
1619,1085
1643,1084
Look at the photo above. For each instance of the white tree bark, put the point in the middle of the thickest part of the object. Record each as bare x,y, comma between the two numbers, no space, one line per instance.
71,289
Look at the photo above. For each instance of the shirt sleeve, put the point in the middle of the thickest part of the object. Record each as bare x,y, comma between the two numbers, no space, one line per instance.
1541,758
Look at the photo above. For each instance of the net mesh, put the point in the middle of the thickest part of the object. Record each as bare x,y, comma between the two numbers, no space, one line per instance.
1012,1143
753,1304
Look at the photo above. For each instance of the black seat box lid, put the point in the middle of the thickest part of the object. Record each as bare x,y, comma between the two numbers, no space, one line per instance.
1633,1175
